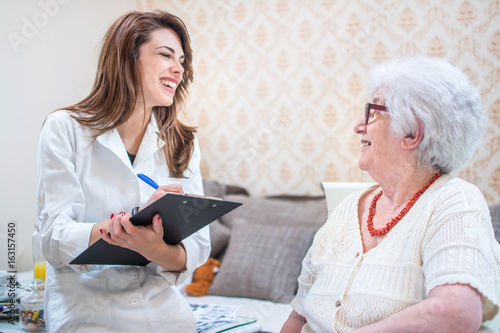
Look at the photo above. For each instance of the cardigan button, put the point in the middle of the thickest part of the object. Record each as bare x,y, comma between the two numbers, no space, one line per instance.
338,303
134,301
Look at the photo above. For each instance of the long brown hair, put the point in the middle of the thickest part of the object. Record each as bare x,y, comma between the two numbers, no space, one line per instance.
118,81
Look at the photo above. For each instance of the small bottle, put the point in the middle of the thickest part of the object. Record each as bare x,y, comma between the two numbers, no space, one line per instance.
39,262
31,313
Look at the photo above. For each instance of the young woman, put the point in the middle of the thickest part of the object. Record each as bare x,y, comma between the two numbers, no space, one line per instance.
88,160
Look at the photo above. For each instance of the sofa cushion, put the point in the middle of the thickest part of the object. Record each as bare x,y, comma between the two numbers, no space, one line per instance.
495,219
219,234
262,261
310,212
214,189
219,238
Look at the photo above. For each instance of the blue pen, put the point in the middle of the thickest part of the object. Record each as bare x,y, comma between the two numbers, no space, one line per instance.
147,180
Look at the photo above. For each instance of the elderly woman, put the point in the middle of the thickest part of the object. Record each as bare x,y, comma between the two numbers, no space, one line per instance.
415,253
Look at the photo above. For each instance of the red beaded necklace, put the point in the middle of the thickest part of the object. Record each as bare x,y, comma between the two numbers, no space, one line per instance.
402,213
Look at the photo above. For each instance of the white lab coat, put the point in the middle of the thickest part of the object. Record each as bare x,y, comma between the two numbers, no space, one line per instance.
80,182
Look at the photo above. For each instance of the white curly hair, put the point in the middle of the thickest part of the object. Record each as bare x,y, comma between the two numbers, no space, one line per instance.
439,96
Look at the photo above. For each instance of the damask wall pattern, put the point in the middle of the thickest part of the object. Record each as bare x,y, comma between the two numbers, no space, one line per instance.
279,84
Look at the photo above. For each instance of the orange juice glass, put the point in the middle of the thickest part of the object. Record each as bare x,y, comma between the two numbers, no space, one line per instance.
40,270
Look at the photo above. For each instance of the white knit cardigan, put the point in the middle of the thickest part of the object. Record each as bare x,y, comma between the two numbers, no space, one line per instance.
446,238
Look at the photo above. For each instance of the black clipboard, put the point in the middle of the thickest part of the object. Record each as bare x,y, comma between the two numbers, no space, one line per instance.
182,215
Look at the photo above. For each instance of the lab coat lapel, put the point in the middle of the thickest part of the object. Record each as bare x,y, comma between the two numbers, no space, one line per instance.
112,141
150,143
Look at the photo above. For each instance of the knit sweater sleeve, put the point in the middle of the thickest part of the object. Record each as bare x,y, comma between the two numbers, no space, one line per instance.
306,280
460,247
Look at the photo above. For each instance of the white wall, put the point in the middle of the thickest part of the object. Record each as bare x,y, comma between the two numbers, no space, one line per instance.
253,59
48,53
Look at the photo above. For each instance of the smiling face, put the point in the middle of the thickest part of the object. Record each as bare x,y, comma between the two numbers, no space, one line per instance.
380,148
160,61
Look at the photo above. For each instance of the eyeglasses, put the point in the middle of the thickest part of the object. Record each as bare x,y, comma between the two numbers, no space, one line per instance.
368,114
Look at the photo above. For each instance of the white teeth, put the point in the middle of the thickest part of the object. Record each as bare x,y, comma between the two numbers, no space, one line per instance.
365,144
169,84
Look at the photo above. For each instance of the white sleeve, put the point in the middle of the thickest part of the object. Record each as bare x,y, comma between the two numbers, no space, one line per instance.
306,279
197,245
460,248
60,199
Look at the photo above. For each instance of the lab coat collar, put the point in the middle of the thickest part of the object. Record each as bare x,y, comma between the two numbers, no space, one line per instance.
149,145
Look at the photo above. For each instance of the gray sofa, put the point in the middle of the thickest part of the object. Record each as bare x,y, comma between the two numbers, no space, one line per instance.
262,243
261,246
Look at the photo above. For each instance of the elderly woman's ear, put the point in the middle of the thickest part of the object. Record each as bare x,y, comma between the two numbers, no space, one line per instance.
411,140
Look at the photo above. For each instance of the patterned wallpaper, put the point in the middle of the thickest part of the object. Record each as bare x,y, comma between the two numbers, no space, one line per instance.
279,84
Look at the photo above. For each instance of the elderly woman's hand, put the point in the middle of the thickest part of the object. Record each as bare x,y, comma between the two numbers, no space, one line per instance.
294,323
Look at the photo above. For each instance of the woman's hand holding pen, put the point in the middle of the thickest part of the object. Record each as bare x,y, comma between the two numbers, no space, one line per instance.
123,233
146,240
105,225
162,190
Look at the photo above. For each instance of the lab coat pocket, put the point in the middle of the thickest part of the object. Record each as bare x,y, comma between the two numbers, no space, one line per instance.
78,301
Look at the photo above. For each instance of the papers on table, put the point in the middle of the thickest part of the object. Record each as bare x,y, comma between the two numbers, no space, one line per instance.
212,315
